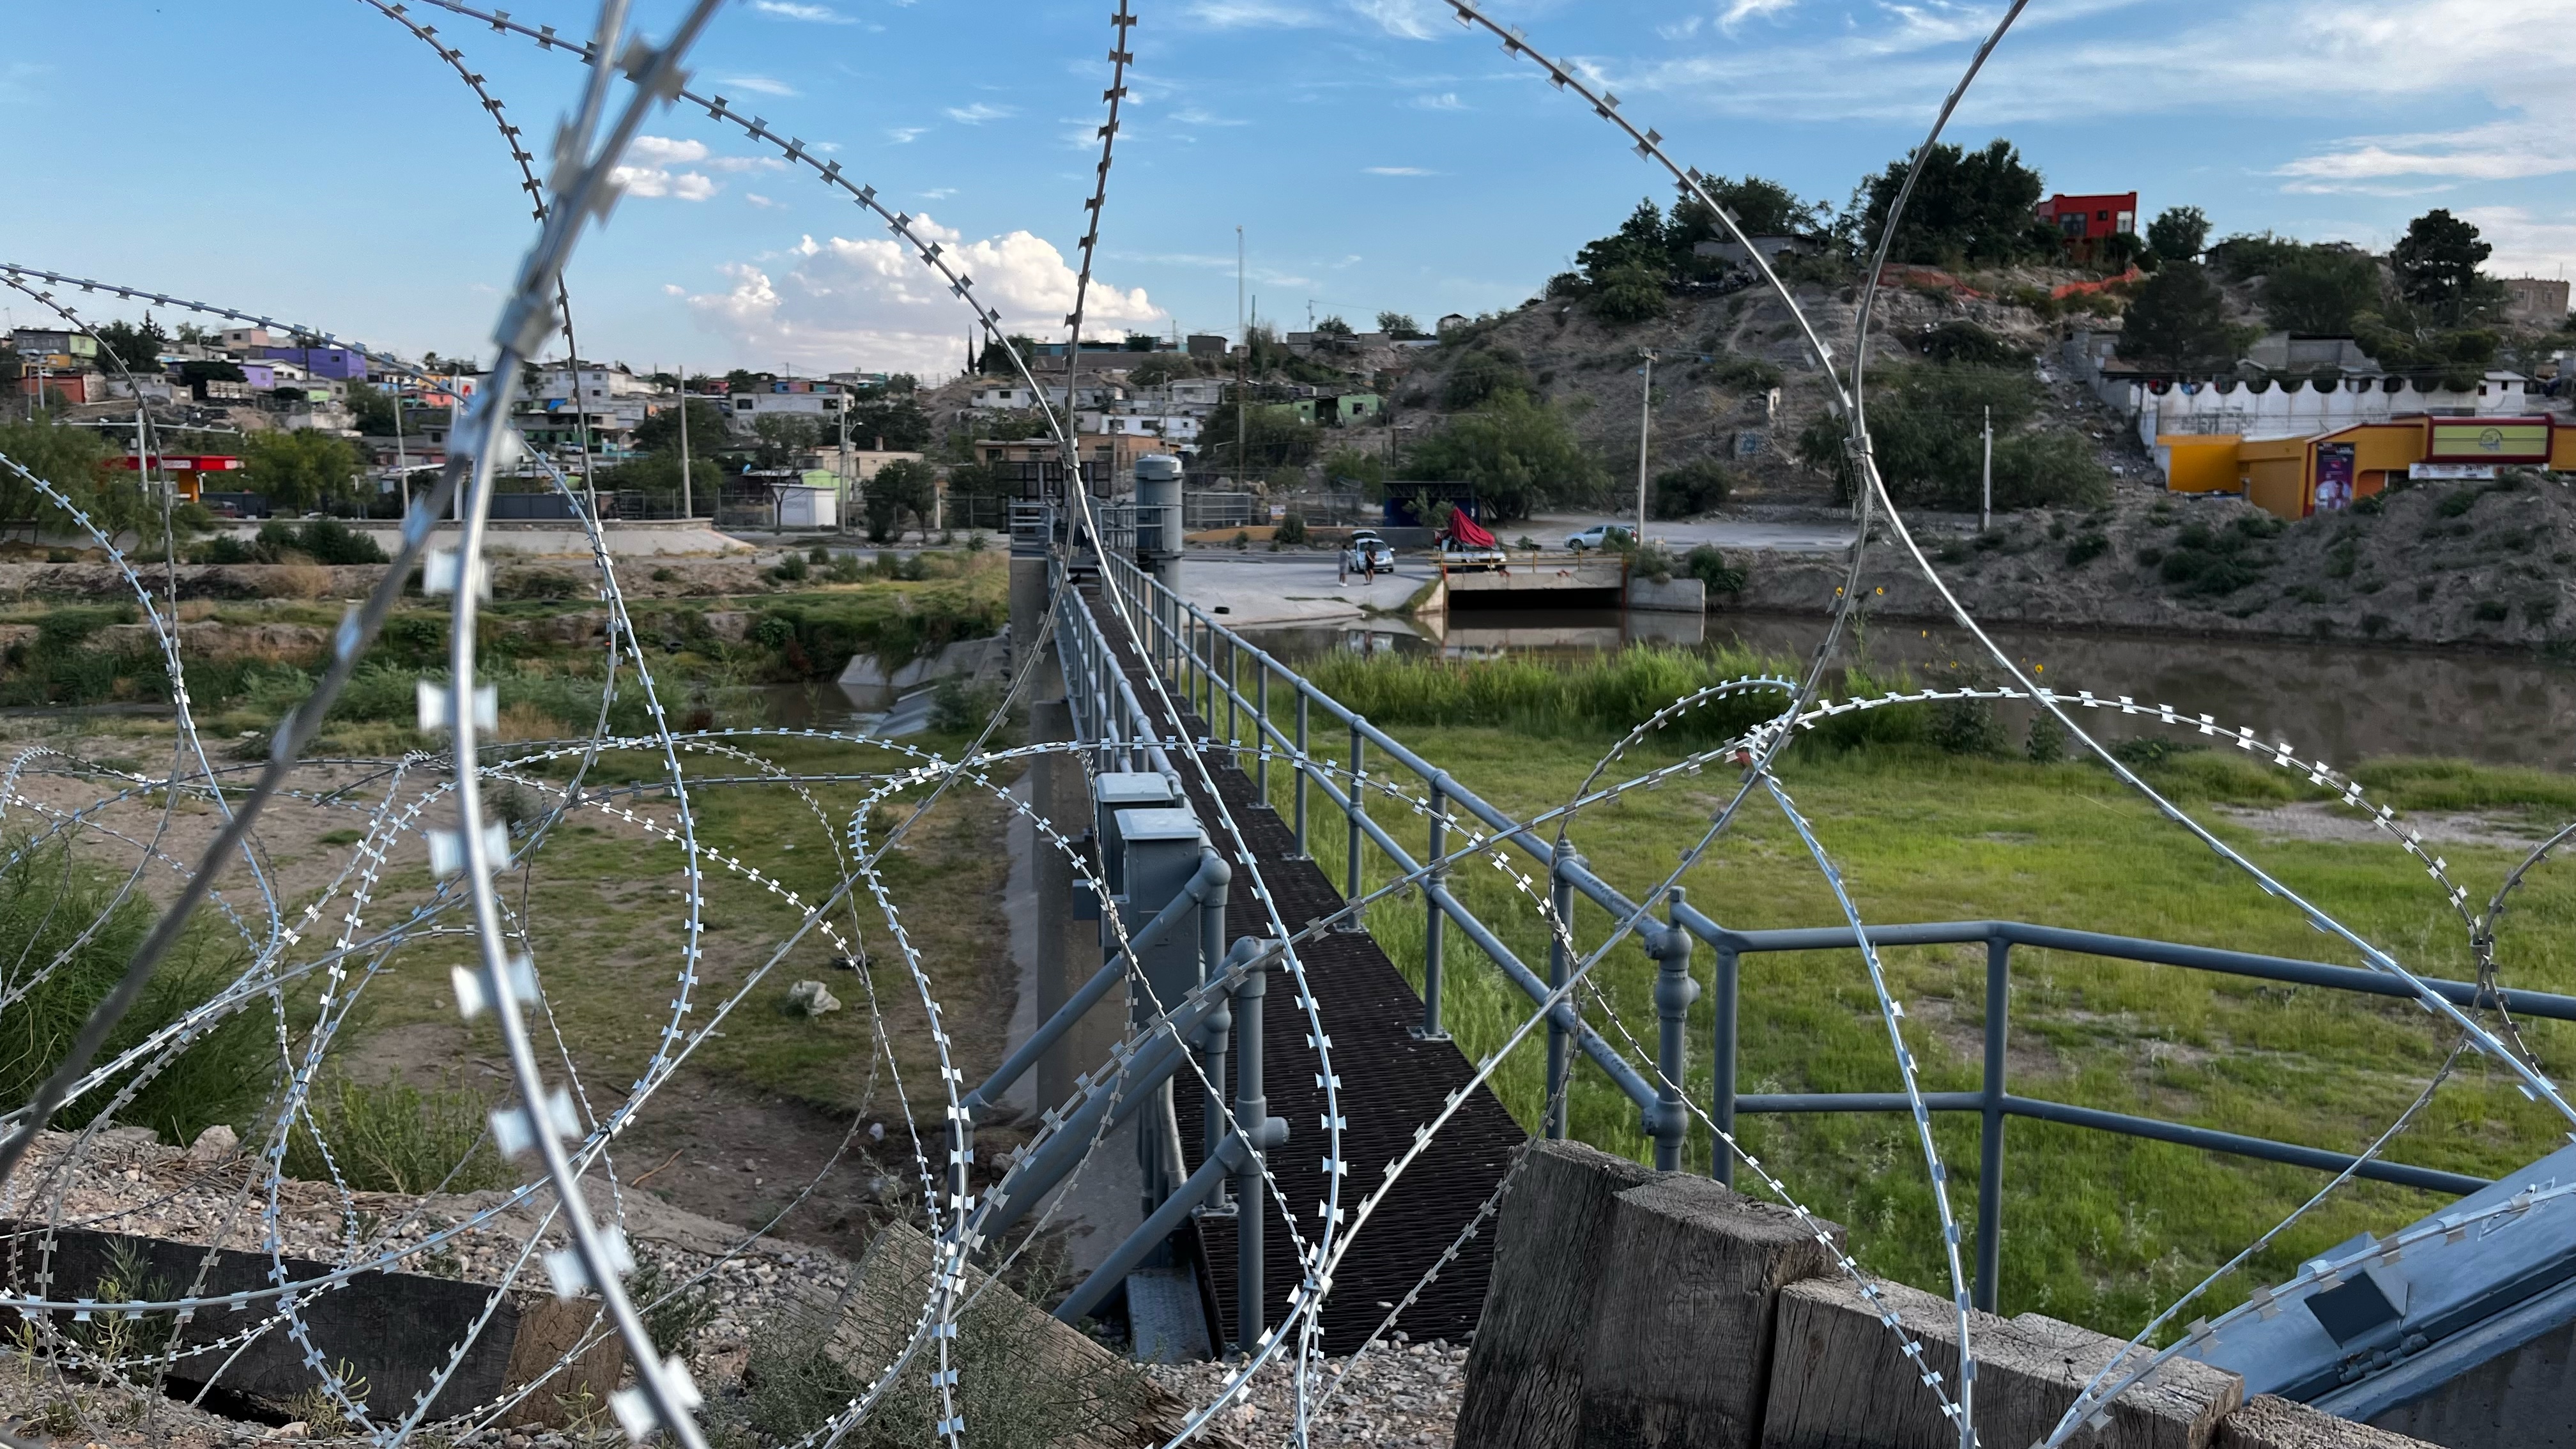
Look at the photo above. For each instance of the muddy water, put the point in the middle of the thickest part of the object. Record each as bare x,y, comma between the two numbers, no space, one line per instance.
2334,702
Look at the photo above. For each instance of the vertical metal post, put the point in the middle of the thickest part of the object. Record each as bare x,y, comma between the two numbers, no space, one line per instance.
1560,896
1435,923
1252,1111
1990,1139
1721,1064
1261,737
1355,808
1212,964
1304,767
1233,691
1674,993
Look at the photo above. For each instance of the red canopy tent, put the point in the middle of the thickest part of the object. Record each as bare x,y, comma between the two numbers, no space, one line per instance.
1467,532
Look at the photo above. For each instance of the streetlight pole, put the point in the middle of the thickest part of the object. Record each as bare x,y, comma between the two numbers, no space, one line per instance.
1645,424
1986,479
688,504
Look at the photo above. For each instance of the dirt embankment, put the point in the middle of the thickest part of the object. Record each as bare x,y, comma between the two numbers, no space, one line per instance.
2479,564
570,578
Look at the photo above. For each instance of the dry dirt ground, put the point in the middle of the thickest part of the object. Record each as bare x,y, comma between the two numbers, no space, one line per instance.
2443,564
765,1101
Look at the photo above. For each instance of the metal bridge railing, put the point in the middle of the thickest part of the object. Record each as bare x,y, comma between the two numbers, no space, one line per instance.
1204,663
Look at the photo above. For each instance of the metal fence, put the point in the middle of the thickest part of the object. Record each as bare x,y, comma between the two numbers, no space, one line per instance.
1206,663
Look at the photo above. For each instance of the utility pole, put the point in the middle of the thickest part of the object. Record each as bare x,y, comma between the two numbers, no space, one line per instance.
1645,425
688,504
1986,484
1242,372
842,519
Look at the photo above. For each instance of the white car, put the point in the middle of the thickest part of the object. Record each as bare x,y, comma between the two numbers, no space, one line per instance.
1599,535
1367,551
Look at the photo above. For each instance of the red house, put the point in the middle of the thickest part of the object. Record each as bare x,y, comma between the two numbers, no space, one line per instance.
2087,221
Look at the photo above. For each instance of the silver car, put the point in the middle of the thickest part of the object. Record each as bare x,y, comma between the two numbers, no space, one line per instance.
1366,552
1599,535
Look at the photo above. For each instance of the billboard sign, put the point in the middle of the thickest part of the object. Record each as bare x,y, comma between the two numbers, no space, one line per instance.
2487,440
2334,477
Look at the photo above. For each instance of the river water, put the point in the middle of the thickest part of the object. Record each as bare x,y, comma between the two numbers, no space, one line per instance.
2332,702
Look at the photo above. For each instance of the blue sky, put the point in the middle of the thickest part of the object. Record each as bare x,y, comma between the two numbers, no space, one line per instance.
311,159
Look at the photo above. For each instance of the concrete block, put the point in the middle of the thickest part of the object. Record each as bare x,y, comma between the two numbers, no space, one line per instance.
1839,1379
2267,1422
1524,1385
1678,596
393,1329
1682,1318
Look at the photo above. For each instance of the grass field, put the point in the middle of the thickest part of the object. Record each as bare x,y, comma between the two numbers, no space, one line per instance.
2098,1229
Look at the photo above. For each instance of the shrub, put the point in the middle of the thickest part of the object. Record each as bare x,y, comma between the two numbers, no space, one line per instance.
1292,528
70,932
1706,564
1965,727
2490,611
2046,744
2086,547
958,706
396,1138
1699,486
2457,502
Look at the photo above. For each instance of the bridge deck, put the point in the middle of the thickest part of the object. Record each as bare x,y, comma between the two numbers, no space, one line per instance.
1391,1083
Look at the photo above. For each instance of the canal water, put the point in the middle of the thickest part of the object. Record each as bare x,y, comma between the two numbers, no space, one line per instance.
2331,702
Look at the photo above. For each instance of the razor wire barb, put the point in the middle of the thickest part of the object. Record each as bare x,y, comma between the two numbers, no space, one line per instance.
506,983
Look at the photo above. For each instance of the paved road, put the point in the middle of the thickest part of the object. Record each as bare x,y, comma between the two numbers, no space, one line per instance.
1291,588
1822,536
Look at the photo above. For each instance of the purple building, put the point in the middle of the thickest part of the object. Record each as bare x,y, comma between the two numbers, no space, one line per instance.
332,362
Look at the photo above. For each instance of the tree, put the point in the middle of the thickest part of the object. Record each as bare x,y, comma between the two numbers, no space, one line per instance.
1627,294
2320,290
781,437
1274,437
1694,488
301,469
1762,207
657,477
897,488
138,348
995,359
1142,342
1483,373
2437,265
74,460
1400,326
660,432
1333,327
1638,243
2179,322
1969,207
1521,456
1925,433
892,422
2178,234
745,380
371,409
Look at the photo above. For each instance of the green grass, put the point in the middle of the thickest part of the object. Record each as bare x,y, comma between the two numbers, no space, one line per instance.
2099,1229
67,938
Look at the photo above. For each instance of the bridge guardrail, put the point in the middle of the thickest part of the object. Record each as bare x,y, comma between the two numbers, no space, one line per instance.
1182,642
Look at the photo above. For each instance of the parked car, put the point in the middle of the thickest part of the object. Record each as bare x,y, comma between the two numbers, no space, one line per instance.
1367,551
1599,535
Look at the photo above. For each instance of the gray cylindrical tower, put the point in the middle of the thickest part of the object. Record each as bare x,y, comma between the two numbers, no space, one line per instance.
1158,514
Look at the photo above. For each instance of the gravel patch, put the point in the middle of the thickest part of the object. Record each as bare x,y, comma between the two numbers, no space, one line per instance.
1401,1394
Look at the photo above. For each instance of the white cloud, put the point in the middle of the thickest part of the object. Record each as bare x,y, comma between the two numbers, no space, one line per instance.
2262,57
763,202
978,113
1445,101
1252,14
657,181
871,302
1397,171
2525,245
790,10
759,85
906,135
666,150
1407,19
1200,116
2496,151
1739,11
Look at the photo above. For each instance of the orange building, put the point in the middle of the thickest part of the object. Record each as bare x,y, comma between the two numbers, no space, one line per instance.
2292,477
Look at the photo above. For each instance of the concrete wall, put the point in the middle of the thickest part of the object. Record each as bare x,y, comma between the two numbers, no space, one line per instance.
1635,1308
625,538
